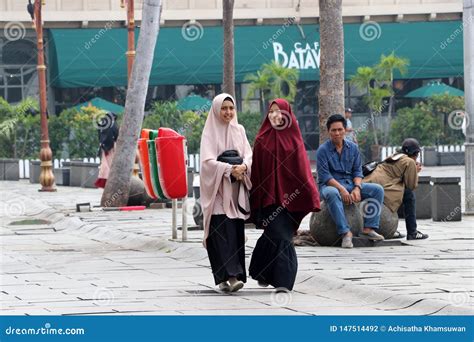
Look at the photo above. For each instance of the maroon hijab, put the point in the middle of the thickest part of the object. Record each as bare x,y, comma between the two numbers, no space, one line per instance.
281,174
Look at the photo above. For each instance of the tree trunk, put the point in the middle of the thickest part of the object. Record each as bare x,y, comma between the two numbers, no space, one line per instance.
228,82
331,86
118,184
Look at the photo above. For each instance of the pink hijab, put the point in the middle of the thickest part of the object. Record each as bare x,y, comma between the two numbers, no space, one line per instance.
218,137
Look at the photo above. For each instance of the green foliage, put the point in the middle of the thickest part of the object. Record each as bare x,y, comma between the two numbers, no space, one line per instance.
18,134
251,122
274,81
388,65
419,122
188,123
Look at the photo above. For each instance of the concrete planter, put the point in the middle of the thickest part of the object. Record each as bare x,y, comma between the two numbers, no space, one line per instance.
446,199
190,181
423,198
35,170
9,169
451,158
430,157
83,174
62,176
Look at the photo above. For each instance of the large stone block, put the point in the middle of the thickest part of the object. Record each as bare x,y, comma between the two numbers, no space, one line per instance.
324,231
323,228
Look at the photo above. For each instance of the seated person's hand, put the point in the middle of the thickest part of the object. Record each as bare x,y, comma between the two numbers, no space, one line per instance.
346,196
355,195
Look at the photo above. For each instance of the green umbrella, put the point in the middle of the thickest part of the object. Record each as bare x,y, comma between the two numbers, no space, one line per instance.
434,88
102,104
194,103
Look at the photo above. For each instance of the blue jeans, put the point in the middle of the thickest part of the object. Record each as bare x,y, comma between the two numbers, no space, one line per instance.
371,215
409,210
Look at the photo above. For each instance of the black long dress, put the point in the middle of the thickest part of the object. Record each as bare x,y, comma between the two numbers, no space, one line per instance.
226,248
274,259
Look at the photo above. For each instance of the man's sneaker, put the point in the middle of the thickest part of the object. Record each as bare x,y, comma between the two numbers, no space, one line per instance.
347,241
224,286
262,284
398,235
417,236
371,235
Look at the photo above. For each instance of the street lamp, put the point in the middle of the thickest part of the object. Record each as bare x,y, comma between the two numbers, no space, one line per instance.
131,35
46,178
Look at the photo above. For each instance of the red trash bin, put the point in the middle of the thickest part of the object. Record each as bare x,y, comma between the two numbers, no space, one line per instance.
172,161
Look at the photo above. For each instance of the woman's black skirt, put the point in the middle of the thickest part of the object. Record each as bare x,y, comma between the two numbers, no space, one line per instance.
226,248
274,258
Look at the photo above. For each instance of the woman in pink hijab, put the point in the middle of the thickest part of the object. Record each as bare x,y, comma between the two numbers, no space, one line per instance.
226,159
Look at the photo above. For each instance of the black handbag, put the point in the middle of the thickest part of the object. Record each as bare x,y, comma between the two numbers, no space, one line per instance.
231,157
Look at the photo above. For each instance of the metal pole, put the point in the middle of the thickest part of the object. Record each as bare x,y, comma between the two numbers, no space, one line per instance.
46,155
468,23
185,219
174,228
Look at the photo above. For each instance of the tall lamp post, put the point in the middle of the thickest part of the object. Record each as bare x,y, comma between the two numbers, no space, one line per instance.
131,35
46,155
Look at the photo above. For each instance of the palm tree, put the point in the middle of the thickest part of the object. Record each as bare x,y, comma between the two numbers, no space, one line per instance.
331,84
283,80
273,81
361,80
258,82
228,82
385,70
118,185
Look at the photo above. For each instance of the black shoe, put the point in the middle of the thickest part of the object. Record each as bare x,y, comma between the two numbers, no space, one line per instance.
398,235
417,236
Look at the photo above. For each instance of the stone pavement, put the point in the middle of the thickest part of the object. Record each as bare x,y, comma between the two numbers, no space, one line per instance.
125,263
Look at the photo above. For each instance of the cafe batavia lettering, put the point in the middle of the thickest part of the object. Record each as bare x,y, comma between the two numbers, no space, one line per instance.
302,56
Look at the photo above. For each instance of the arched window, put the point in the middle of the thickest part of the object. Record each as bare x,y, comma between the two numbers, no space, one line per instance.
17,69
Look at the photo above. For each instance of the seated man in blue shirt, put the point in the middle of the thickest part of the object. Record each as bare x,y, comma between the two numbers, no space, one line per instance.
340,182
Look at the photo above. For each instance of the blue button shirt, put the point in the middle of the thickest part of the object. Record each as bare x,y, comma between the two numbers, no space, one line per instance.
342,167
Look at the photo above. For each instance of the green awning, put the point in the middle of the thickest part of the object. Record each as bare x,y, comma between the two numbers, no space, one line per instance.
194,103
96,58
102,104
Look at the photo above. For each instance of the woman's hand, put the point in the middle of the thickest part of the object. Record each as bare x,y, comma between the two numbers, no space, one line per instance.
238,171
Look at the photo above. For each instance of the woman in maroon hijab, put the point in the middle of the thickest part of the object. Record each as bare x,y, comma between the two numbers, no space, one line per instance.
283,193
